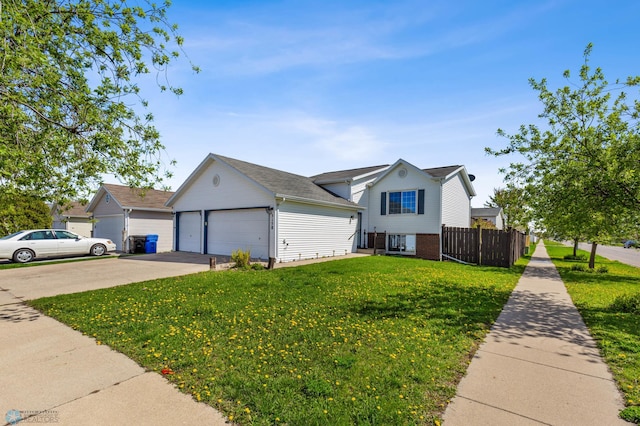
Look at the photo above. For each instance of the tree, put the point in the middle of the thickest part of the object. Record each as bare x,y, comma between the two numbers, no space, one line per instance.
22,211
581,172
70,99
513,204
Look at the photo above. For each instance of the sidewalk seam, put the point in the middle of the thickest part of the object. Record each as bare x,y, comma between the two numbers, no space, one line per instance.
505,411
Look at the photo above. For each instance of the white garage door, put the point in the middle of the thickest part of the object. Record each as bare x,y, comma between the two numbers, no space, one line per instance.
189,232
239,229
110,227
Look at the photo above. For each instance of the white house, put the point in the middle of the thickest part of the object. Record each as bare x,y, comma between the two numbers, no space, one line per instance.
409,206
120,212
494,215
73,218
228,204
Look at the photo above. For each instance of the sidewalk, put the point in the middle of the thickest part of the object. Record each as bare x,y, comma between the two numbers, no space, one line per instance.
58,376
538,365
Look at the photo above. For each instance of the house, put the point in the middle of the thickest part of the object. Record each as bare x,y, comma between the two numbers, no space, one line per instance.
120,212
408,207
228,204
73,218
494,215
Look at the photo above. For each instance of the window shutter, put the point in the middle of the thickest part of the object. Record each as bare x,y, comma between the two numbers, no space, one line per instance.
383,203
420,201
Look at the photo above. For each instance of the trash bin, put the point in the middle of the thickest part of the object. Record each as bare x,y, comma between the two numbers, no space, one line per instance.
151,243
137,243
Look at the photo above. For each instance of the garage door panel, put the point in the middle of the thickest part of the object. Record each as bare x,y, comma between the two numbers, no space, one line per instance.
189,232
240,229
111,228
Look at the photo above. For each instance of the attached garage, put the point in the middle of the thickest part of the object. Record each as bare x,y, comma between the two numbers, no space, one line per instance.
230,230
188,225
110,227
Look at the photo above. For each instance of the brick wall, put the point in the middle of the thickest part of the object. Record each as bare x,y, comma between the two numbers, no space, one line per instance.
428,246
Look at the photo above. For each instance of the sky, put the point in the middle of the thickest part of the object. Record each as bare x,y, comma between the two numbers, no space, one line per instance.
314,86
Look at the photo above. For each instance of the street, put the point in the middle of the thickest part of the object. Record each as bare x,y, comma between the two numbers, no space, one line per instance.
629,256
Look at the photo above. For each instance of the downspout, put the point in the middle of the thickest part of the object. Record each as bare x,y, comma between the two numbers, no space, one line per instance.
125,231
440,222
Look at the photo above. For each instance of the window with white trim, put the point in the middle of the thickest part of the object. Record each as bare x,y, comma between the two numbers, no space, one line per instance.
402,202
401,243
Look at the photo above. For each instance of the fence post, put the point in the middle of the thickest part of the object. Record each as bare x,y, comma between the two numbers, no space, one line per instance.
479,247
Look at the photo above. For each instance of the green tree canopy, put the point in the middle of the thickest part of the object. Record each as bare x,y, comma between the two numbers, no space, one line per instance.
70,98
22,211
514,205
581,173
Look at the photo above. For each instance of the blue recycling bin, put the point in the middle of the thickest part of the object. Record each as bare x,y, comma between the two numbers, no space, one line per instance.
151,243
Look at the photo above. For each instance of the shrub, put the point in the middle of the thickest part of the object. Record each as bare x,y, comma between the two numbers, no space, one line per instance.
629,303
578,268
257,266
241,258
602,270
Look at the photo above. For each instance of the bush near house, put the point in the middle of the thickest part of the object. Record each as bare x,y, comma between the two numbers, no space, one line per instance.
375,340
609,303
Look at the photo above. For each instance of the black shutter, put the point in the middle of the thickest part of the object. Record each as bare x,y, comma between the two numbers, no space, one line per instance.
383,203
420,201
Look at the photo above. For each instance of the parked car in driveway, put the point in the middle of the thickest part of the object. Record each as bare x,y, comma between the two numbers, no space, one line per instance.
630,243
24,246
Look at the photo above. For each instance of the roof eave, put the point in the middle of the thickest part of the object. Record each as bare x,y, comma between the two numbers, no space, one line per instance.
318,202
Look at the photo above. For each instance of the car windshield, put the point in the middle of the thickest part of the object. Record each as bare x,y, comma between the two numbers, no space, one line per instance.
12,235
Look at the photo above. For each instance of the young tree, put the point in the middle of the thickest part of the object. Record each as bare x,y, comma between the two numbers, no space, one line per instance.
582,170
514,205
70,99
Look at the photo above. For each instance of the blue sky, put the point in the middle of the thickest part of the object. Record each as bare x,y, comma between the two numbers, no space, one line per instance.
309,87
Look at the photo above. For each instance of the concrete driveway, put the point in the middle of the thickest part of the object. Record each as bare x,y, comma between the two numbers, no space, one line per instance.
72,277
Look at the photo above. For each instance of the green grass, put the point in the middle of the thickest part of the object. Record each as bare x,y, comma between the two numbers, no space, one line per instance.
375,340
600,299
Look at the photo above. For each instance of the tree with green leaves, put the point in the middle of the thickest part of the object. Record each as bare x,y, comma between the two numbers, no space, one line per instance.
71,108
581,172
22,211
514,206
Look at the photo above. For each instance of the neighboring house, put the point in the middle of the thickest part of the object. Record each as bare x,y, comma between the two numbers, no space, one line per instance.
228,204
410,205
73,218
120,212
494,215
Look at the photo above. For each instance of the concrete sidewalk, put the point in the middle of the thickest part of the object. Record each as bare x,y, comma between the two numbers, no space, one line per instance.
538,365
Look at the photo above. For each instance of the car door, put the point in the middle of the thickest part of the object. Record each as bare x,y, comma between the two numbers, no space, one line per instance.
70,244
42,243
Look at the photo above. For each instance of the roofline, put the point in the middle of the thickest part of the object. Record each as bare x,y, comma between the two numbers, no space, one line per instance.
349,180
285,197
96,198
388,170
147,209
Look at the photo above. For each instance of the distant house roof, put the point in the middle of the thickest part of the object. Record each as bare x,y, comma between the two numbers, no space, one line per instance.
133,198
279,183
347,175
486,211
73,209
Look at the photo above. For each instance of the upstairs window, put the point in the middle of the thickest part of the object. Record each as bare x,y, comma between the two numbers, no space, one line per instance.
402,202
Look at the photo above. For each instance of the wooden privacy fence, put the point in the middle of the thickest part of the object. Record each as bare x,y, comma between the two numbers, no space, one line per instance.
490,247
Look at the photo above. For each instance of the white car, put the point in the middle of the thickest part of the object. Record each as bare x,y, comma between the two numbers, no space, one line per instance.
24,246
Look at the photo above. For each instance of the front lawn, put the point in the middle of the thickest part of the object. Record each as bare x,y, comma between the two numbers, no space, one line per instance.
375,340
614,325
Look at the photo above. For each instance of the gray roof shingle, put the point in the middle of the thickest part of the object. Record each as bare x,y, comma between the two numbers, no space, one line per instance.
343,175
137,198
441,171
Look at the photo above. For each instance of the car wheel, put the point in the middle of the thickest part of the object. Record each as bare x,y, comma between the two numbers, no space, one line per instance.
98,250
23,256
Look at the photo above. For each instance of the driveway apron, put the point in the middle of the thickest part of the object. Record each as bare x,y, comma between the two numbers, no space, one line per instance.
538,365
53,374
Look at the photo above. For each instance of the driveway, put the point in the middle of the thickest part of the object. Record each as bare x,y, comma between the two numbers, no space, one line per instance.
72,277
629,256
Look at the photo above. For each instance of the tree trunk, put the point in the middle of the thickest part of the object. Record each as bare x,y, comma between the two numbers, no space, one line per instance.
592,258
575,247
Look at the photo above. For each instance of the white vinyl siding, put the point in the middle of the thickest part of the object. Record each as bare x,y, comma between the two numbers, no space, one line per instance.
231,230
309,231
342,189
456,205
234,190
158,223
189,230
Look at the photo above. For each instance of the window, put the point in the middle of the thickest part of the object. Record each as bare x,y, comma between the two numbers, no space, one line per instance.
402,202
401,243
39,235
66,235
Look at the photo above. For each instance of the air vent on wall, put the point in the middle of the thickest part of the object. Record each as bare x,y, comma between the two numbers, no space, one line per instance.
402,173
216,180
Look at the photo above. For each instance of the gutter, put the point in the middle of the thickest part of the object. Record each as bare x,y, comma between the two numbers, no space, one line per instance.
283,198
